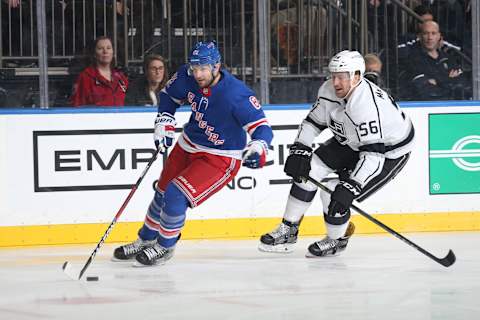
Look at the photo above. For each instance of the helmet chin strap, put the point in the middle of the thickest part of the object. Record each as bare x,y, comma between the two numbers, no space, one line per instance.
352,86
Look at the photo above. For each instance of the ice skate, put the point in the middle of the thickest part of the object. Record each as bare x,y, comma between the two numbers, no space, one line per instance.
129,251
154,255
328,246
280,240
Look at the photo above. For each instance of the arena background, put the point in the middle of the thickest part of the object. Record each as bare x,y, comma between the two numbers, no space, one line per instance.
66,172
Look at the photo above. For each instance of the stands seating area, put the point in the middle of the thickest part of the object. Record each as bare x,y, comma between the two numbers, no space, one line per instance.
303,35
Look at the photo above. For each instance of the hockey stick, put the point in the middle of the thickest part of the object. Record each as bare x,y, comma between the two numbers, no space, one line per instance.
447,261
66,266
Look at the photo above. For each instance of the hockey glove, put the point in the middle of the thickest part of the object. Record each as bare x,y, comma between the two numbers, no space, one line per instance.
297,165
255,154
342,197
164,130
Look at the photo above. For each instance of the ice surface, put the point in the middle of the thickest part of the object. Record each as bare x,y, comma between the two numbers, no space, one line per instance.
377,277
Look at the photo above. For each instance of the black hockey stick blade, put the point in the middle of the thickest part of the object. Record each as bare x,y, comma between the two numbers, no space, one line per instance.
66,267
447,261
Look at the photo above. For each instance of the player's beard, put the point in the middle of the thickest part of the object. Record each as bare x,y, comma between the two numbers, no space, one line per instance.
206,83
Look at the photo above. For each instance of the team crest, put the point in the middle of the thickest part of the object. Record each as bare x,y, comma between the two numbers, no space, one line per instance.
254,102
338,130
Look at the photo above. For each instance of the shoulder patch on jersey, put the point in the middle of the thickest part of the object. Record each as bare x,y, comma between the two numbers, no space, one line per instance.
172,79
255,103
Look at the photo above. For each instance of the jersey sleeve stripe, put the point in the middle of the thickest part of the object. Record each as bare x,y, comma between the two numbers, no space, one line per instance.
374,147
177,101
404,142
250,127
320,127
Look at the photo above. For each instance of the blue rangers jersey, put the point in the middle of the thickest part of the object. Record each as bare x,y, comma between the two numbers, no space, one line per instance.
221,115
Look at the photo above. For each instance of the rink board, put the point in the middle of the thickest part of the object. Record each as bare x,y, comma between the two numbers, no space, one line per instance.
65,173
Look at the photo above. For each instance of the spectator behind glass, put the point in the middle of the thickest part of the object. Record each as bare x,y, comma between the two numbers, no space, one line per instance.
425,12
144,91
373,69
434,74
100,84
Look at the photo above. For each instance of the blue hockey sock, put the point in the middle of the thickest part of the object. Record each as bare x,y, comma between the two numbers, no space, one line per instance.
149,230
172,217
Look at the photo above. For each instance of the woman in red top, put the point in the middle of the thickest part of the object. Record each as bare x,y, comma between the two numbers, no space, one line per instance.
100,84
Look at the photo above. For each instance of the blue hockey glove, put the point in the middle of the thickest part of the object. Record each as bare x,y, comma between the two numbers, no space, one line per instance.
255,154
297,165
342,197
164,130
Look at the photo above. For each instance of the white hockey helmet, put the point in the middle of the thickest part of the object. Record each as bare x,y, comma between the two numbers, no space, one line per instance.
347,61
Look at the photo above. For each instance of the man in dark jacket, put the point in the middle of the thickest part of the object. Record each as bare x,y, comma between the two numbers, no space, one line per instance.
433,74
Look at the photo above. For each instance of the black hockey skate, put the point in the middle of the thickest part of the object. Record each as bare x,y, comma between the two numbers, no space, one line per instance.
154,255
328,246
280,240
129,251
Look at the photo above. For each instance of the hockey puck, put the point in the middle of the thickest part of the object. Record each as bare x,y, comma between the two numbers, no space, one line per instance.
92,278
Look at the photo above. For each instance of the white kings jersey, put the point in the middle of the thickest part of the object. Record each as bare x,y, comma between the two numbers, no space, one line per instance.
369,122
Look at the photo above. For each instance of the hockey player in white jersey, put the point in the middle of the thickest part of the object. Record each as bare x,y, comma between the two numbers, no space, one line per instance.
371,144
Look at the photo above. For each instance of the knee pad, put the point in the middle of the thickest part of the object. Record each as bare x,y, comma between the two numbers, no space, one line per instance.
340,219
299,192
305,191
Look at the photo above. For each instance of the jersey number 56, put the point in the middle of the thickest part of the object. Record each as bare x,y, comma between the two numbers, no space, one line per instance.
367,128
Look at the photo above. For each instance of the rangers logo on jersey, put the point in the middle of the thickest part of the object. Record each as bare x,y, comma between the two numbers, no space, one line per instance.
254,102
221,116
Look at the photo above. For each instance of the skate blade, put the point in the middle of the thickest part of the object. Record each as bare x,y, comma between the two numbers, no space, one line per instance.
329,255
137,264
279,248
113,259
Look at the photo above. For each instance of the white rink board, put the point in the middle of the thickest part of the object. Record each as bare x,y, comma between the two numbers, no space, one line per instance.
29,177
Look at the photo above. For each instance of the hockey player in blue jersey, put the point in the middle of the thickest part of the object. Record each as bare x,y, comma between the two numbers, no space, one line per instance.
208,154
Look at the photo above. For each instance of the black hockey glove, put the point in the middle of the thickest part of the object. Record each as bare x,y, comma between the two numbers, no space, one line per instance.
342,197
298,162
